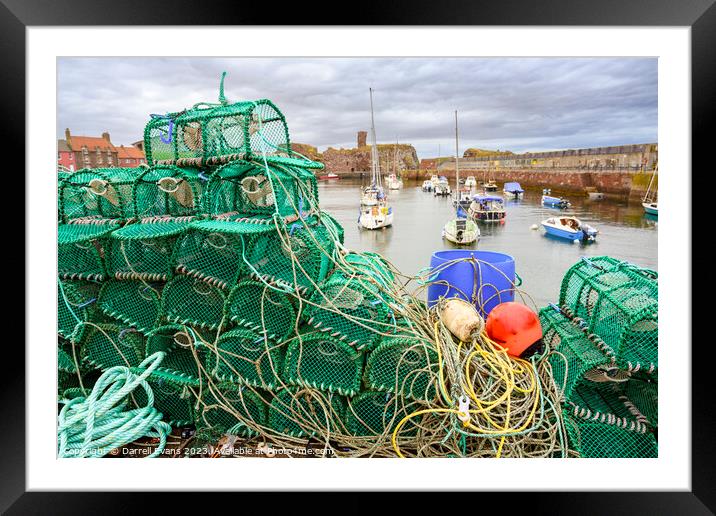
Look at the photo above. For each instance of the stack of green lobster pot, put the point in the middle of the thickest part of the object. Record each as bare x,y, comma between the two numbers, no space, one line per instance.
218,255
603,339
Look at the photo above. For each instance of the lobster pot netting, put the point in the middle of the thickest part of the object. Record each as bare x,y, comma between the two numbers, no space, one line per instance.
245,189
136,303
145,251
76,305
573,354
81,250
217,131
193,302
620,304
351,309
168,191
182,354
256,306
228,408
405,366
305,412
371,414
245,357
325,363
371,265
109,345
173,399
103,193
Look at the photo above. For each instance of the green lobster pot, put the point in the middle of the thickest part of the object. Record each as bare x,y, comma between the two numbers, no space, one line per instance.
304,413
258,307
76,305
110,345
350,309
182,354
593,439
404,365
173,399
245,357
168,191
372,414
102,193
136,303
320,361
145,251
193,302
81,249
232,409
372,265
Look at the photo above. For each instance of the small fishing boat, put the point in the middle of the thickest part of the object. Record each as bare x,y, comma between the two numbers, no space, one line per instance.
470,182
555,202
595,196
443,187
394,182
374,212
434,179
463,198
487,208
513,189
648,202
490,186
570,228
461,231
328,176
427,185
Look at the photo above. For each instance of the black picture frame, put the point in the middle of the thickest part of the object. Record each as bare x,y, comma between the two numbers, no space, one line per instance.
699,15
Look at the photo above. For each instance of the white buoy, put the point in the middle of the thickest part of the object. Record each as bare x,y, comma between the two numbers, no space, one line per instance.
534,226
575,241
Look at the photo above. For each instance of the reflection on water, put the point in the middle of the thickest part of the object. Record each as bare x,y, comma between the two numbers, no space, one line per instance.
625,232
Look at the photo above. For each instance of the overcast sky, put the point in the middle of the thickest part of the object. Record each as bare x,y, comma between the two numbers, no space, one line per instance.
518,104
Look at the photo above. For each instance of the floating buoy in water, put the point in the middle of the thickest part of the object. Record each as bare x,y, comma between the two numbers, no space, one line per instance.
534,226
516,328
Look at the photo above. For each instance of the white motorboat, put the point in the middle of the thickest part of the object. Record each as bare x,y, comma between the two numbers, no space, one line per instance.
461,231
427,186
470,182
513,190
443,187
394,182
570,228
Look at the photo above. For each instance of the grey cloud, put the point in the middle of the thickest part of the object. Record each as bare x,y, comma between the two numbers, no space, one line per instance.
521,104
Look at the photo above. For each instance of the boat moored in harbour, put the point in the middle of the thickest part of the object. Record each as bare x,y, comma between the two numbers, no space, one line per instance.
570,228
461,231
651,208
513,189
427,185
443,187
470,182
328,176
487,208
394,182
555,202
490,186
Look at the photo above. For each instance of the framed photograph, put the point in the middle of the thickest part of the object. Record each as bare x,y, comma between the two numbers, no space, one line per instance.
424,249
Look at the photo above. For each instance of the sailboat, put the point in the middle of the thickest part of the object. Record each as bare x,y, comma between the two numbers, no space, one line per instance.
650,205
460,230
375,212
394,182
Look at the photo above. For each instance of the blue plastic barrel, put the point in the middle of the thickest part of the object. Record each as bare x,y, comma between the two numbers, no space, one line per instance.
483,278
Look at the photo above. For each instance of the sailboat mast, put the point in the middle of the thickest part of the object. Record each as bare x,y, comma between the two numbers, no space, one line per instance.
457,166
648,189
375,166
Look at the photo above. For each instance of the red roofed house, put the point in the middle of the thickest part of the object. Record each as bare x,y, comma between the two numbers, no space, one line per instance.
93,152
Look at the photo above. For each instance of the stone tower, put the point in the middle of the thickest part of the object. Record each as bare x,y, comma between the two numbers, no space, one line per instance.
362,137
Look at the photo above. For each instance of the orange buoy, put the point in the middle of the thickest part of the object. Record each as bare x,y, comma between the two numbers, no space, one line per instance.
516,328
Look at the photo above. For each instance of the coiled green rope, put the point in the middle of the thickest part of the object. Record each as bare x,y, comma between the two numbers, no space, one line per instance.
93,426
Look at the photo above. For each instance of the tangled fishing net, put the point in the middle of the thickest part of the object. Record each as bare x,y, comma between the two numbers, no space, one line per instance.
218,259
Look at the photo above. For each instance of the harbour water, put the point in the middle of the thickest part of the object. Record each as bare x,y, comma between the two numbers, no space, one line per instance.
541,261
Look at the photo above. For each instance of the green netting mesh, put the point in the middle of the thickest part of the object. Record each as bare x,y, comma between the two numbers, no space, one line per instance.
333,226
145,250
180,361
256,306
644,395
68,384
76,303
194,302
351,309
243,356
173,399
321,361
168,191
574,354
592,439
81,249
244,189
403,365
104,193
217,131
137,303
109,345
295,261
378,413
302,413
619,302
233,409
373,265
209,251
